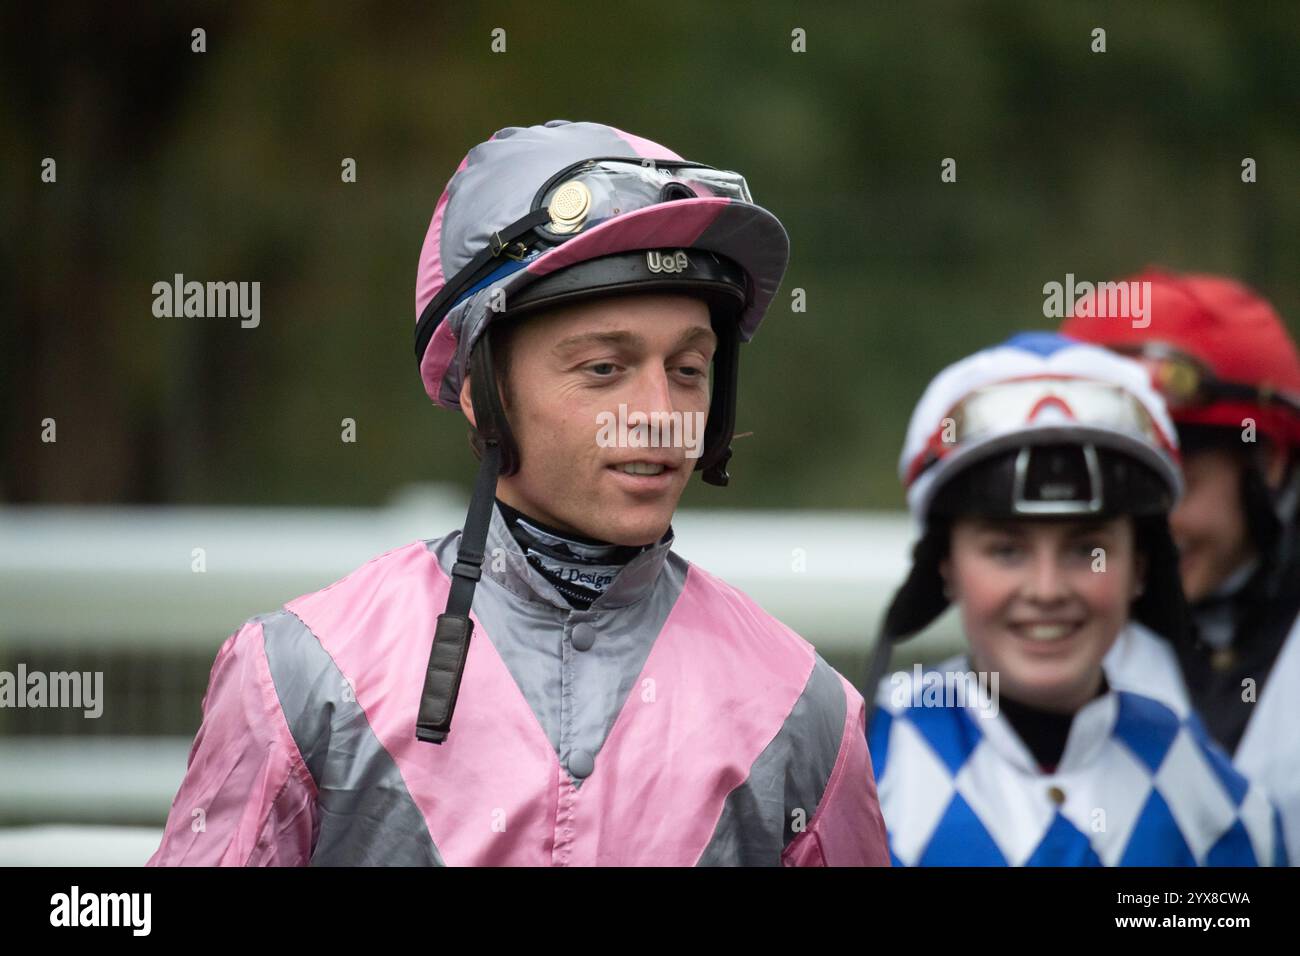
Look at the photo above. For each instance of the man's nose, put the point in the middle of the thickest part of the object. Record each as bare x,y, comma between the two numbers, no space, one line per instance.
652,391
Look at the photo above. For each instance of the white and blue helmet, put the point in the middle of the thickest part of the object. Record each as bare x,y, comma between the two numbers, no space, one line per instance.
1040,426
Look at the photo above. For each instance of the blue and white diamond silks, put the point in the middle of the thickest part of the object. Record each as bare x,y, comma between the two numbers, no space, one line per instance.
1136,786
1269,752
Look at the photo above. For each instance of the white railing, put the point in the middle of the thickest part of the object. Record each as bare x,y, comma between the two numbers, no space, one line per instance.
125,578
126,575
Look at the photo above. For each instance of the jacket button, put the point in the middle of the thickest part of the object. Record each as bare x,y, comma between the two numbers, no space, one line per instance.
581,763
583,636
1056,795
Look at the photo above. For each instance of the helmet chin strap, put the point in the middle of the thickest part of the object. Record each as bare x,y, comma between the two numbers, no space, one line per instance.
721,423
454,630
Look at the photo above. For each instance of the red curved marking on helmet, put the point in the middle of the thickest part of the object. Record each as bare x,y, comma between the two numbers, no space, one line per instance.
650,228
934,449
1046,401
645,148
1046,377
437,359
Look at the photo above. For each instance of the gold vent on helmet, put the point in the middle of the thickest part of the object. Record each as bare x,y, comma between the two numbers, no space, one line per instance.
569,206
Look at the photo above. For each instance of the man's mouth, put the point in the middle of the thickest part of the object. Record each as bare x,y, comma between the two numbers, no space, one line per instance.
641,467
642,476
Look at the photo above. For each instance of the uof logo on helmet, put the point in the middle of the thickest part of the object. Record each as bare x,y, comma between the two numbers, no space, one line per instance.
667,261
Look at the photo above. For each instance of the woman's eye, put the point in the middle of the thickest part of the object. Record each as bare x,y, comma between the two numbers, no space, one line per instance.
1003,551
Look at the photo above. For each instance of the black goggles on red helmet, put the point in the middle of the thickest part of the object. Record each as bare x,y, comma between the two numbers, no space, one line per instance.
1185,382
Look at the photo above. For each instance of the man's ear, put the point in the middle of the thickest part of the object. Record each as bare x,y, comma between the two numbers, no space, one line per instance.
466,402
945,572
1140,565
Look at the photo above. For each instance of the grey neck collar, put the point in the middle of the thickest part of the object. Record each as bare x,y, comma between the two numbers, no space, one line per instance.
505,563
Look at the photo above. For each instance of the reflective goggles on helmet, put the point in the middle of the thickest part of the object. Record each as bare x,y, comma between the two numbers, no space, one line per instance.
1007,406
594,190
576,198
1186,382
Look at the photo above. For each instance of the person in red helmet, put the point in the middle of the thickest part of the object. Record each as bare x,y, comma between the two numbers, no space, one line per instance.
1230,374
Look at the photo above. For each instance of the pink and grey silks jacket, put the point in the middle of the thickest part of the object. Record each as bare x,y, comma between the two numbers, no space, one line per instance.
674,723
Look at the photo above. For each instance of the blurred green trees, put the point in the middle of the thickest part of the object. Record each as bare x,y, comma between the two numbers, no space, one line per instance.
225,165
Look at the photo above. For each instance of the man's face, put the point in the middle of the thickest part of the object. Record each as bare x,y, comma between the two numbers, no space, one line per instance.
1208,525
1038,606
570,370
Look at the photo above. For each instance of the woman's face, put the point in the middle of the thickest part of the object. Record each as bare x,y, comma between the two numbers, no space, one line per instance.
1042,601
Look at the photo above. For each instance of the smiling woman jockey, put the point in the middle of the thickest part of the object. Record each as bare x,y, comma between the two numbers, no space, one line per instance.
1042,472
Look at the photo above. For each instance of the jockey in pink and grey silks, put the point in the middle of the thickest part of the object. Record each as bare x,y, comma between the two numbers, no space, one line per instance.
660,717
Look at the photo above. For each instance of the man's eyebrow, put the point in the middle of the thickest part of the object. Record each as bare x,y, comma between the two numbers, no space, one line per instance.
631,339
598,338
696,333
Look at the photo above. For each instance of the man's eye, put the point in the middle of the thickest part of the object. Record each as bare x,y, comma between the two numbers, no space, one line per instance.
602,368
691,371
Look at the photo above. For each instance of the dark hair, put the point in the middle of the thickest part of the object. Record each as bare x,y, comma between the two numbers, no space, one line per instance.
501,334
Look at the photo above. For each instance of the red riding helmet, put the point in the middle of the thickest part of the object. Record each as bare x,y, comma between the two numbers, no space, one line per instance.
1217,351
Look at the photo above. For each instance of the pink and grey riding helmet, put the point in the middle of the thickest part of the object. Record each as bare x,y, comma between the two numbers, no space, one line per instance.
546,214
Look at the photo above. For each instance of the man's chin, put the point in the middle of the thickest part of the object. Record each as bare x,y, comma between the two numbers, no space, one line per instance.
635,536
631,527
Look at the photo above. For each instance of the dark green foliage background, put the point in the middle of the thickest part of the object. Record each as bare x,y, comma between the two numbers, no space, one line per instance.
225,166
